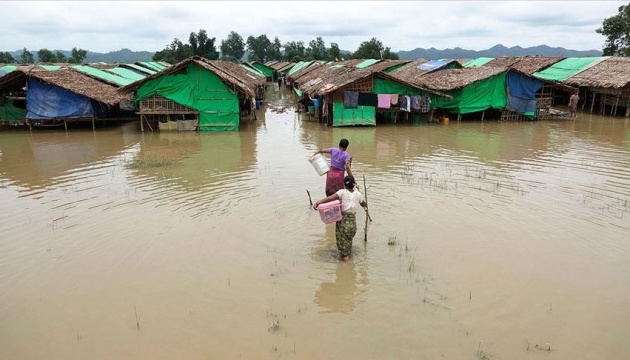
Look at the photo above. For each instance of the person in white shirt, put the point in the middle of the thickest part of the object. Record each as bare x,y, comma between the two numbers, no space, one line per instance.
351,199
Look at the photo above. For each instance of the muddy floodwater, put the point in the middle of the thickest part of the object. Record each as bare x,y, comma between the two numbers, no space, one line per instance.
488,241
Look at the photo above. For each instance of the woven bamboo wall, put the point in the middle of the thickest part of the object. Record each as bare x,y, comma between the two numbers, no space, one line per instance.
157,104
365,86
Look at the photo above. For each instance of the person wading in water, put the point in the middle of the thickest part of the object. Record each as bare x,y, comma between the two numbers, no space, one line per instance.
340,162
351,199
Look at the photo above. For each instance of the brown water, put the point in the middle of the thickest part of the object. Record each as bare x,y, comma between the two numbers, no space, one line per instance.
506,239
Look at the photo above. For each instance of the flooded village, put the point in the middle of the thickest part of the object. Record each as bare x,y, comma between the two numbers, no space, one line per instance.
163,211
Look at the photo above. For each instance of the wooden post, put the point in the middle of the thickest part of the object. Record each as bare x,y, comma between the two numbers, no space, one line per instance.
459,117
431,116
141,123
616,104
483,114
593,102
65,125
93,124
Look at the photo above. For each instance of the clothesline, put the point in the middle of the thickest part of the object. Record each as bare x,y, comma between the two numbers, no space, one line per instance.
407,103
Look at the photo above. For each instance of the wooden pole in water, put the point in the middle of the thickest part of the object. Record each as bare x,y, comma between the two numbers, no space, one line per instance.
309,198
593,102
367,213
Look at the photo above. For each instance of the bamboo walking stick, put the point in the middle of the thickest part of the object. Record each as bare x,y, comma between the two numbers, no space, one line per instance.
367,213
366,201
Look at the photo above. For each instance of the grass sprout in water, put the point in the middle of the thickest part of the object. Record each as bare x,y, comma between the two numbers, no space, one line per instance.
150,163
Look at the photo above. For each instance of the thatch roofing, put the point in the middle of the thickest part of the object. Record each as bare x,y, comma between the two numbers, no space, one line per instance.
270,63
279,65
457,78
410,72
305,70
613,72
386,64
233,75
329,78
524,64
66,79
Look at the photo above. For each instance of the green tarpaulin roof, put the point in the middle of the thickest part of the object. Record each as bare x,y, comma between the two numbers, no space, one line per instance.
480,61
298,91
8,68
100,74
298,66
152,65
126,73
566,68
253,70
50,67
141,68
366,63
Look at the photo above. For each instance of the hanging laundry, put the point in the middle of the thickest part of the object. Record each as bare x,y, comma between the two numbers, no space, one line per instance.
316,103
405,103
368,99
350,99
395,99
384,101
425,103
415,102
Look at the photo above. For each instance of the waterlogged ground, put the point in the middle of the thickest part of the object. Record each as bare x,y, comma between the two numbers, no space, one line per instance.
488,241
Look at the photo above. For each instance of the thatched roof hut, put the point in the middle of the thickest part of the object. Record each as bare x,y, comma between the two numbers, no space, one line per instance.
612,73
233,75
196,93
456,78
414,70
524,64
66,79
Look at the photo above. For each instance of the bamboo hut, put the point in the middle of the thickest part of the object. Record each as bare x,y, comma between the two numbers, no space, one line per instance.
607,81
529,65
54,98
267,70
512,93
329,86
196,94
562,70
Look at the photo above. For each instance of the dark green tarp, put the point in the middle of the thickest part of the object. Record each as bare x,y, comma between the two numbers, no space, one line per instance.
8,112
201,90
362,115
478,96
386,86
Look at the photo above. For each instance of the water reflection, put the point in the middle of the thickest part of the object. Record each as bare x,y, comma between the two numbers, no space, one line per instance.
35,160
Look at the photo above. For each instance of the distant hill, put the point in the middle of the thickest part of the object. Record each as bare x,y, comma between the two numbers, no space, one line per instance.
497,50
128,56
121,56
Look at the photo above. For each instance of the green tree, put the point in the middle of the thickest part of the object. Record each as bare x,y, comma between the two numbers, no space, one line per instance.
275,51
27,57
369,50
202,45
6,58
334,53
77,56
60,57
233,47
173,53
294,51
258,48
388,54
617,31
46,56
317,49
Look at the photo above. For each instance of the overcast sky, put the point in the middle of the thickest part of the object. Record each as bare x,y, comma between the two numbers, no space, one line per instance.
103,26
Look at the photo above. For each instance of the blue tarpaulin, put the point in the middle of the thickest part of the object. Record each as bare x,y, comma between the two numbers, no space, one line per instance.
523,86
2,73
526,107
48,102
433,64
